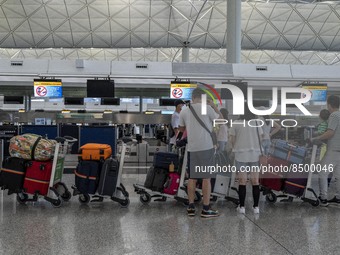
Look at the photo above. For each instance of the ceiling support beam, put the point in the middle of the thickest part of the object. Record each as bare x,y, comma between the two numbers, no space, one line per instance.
233,31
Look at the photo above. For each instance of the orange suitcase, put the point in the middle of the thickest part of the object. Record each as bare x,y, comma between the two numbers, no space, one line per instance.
95,151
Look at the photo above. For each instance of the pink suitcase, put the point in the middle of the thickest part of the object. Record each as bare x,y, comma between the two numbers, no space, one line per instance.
171,185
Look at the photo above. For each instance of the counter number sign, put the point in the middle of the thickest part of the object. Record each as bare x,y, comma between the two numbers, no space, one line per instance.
41,91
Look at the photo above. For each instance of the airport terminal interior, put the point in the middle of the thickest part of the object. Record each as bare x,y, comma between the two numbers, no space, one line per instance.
91,162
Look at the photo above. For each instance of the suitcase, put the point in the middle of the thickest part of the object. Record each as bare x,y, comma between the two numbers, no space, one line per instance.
12,174
283,150
222,183
273,180
108,177
164,159
156,178
159,180
149,178
296,183
86,176
37,179
172,183
95,151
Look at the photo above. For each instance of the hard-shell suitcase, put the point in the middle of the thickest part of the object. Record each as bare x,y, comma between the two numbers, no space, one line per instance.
37,179
86,176
222,183
283,150
159,180
164,159
12,174
273,180
149,178
95,151
172,183
295,183
108,177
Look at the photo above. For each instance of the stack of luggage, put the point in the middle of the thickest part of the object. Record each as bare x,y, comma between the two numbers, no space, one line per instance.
29,167
96,171
284,154
163,175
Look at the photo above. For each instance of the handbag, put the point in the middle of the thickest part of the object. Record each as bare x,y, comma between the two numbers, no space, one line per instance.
212,133
263,159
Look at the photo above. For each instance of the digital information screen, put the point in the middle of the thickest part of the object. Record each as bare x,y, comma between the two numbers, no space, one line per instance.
48,88
181,90
319,92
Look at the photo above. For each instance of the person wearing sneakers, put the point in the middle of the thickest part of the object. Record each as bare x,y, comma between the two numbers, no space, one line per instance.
200,147
332,157
245,140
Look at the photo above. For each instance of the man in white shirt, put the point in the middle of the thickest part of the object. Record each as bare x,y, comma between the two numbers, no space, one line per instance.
200,148
175,122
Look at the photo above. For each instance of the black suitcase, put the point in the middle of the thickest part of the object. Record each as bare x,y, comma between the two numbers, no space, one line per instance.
149,178
87,175
12,174
159,180
164,159
108,177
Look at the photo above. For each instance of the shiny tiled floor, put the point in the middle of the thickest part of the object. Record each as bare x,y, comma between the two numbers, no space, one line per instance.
164,228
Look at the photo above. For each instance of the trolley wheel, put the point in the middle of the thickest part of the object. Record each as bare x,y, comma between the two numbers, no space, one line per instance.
125,204
57,203
66,196
315,203
84,198
198,197
22,198
145,198
271,198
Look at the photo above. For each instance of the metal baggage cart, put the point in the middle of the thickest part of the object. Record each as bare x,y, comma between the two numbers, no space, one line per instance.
309,194
120,195
146,195
58,191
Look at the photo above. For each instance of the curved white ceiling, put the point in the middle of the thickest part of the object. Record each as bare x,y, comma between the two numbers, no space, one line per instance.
270,29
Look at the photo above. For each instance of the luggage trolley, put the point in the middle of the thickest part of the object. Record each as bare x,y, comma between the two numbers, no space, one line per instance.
309,194
146,195
57,190
120,194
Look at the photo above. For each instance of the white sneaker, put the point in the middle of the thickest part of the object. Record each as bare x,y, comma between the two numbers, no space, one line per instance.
256,210
241,210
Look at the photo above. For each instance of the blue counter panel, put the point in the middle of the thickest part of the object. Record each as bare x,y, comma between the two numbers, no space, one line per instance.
99,134
50,131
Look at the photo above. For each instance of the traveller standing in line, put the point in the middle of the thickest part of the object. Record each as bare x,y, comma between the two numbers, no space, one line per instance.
222,135
269,129
175,123
200,147
331,159
245,141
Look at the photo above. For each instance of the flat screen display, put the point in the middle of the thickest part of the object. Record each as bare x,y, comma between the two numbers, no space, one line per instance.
110,101
48,88
100,88
13,100
181,90
74,101
319,92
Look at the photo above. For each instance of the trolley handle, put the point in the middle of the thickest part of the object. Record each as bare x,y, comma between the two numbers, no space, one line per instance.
70,139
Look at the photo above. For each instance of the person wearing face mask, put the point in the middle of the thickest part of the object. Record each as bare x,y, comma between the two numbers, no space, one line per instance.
175,123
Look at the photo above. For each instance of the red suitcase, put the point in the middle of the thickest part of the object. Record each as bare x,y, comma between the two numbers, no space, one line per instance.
171,185
37,179
273,180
